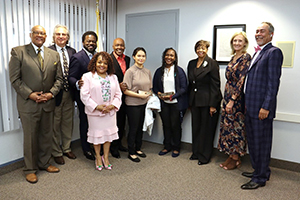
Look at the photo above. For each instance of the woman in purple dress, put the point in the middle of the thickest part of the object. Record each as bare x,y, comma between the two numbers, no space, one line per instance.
232,139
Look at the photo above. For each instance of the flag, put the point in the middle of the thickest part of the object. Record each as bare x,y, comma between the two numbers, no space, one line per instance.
98,28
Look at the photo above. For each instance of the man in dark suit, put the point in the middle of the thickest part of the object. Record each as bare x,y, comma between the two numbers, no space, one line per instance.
35,73
121,64
261,88
78,66
64,110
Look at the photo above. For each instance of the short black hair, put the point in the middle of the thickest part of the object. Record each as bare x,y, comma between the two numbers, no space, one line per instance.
138,49
89,33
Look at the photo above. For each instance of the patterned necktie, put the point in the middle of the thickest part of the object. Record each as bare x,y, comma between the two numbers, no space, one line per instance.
41,60
66,71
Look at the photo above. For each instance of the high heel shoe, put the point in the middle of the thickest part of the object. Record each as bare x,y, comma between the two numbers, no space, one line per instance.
109,166
233,164
98,167
226,162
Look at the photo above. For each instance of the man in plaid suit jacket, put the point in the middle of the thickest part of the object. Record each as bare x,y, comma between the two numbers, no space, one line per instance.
261,88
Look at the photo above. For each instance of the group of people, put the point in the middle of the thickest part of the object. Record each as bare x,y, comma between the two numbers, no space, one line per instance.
106,90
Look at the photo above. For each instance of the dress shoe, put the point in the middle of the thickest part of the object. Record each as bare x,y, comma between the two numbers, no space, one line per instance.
31,178
201,163
252,185
59,160
193,157
52,169
163,152
70,155
141,154
89,155
98,167
122,148
115,154
109,166
248,174
174,155
134,159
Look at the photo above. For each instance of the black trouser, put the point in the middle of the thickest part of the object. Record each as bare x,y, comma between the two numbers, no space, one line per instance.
136,115
203,132
121,121
170,116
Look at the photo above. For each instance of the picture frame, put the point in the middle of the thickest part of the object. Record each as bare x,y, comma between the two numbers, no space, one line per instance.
288,50
221,41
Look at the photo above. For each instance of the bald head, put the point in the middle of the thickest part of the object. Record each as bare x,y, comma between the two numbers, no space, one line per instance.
38,35
119,46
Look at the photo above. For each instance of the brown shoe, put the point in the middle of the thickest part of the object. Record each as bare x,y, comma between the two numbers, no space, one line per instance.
52,169
31,178
59,160
70,155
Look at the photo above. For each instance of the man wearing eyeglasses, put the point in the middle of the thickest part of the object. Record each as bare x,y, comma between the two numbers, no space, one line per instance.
64,110
35,73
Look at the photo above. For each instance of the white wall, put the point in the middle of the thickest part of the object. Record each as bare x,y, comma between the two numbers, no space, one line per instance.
196,22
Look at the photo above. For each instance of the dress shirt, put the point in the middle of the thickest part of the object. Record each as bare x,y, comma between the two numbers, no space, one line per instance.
121,61
58,48
169,82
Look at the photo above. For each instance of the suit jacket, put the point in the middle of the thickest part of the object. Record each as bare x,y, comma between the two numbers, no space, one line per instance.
204,83
70,51
263,80
117,67
91,94
27,76
77,67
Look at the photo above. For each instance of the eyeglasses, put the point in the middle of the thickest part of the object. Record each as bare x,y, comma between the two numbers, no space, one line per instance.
38,33
61,34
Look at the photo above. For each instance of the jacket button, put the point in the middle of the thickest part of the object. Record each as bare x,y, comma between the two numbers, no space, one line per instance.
195,89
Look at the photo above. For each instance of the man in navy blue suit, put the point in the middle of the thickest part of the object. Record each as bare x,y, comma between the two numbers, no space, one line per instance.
261,88
78,66
64,109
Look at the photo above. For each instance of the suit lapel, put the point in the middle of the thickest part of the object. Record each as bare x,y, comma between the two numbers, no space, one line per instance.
46,57
33,55
260,55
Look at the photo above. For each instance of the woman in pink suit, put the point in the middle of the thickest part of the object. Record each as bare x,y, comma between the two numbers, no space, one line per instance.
101,96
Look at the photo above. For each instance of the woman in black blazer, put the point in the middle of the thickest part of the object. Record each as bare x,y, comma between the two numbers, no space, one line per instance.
204,99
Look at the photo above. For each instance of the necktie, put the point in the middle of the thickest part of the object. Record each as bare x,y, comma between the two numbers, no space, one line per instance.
41,60
257,48
66,71
91,56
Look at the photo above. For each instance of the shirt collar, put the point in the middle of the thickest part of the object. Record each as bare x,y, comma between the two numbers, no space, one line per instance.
88,53
36,48
122,56
264,45
58,48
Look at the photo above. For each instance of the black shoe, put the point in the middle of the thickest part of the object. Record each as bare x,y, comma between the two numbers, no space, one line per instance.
163,152
89,155
252,185
122,148
248,174
202,163
134,159
142,155
193,157
174,155
115,154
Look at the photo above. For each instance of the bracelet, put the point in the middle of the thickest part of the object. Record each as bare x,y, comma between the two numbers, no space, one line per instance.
232,99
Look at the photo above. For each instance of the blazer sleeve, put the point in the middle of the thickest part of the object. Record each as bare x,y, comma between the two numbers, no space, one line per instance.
157,81
215,96
15,74
58,76
74,71
274,73
85,94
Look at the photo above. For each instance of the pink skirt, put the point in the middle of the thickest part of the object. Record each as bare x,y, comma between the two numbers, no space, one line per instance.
102,129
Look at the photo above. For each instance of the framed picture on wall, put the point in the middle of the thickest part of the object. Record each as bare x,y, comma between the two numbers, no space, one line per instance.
288,50
221,41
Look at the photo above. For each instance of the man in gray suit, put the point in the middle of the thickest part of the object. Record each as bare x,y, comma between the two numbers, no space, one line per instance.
35,73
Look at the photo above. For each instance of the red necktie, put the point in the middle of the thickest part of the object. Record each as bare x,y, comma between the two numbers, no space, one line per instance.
257,48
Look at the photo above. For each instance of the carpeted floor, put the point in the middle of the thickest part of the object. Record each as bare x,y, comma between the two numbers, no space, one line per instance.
155,177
